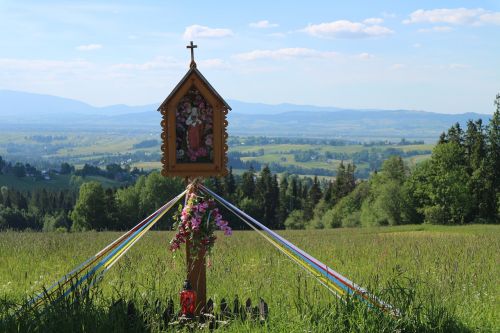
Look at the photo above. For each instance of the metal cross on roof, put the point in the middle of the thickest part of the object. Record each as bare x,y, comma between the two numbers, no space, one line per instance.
192,47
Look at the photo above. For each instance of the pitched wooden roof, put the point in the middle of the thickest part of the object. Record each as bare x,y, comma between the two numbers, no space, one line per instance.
195,71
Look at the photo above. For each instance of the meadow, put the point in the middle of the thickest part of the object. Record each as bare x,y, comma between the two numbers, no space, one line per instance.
441,278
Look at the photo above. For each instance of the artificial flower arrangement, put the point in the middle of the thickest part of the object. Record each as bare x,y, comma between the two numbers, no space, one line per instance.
194,129
197,221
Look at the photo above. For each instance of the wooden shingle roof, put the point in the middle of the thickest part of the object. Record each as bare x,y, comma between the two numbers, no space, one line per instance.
193,71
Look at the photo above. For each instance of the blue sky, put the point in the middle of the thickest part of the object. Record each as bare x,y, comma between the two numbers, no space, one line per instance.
441,56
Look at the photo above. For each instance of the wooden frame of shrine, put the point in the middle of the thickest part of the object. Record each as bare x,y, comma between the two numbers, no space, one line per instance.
194,128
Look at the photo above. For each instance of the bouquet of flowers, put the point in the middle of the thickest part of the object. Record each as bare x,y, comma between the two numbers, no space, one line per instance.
197,222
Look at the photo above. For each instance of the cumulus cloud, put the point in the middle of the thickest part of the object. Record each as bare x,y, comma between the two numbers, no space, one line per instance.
263,24
346,29
89,47
285,53
456,16
200,31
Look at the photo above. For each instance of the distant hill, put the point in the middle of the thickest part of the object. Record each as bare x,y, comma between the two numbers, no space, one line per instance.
27,111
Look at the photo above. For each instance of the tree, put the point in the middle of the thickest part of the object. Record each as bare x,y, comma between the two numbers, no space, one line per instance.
19,170
315,193
216,185
157,190
439,187
128,205
296,220
66,169
494,145
268,196
90,209
475,144
344,183
58,222
247,188
230,183
386,203
2,165
346,213
456,134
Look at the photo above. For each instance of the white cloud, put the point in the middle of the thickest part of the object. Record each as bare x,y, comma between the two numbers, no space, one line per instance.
263,24
346,29
439,28
154,64
491,18
89,47
277,34
199,31
398,66
365,56
43,65
457,16
285,53
215,63
373,20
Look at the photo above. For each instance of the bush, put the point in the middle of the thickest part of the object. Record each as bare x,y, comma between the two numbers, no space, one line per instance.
295,220
435,215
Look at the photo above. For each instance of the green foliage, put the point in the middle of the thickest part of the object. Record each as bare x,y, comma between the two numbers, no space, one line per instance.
296,220
58,222
442,184
346,213
90,209
19,170
2,165
387,200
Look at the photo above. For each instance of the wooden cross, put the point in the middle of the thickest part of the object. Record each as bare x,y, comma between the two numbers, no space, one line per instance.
192,47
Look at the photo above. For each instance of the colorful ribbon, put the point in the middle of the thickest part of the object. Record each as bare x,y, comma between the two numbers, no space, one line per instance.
334,281
110,254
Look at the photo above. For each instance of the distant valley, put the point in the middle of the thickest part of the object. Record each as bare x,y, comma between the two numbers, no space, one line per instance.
23,111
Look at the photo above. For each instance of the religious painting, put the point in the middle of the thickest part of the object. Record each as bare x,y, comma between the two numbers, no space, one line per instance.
194,129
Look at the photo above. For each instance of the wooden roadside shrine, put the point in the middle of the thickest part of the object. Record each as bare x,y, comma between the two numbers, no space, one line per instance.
194,138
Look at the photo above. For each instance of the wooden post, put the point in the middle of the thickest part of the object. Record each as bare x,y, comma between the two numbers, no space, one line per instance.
197,275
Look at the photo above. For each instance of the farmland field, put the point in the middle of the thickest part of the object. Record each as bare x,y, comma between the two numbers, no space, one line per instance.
452,270
51,149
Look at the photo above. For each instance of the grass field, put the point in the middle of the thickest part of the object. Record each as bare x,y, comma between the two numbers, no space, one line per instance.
101,148
450,276
57,182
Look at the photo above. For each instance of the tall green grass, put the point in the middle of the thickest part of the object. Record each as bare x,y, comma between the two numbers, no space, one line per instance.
441,280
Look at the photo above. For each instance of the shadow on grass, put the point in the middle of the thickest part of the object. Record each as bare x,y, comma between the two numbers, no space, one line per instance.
92,312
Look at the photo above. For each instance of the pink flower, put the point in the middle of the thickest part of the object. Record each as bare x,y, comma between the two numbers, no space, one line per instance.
174,246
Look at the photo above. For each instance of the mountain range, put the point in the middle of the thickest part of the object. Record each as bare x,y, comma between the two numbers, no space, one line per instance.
28,111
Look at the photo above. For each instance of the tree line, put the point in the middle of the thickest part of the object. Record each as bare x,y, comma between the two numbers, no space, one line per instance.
459,183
